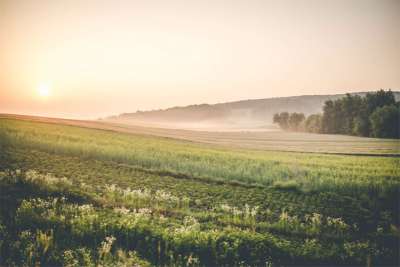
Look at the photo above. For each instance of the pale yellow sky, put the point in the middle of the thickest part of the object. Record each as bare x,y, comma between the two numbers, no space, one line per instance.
87,59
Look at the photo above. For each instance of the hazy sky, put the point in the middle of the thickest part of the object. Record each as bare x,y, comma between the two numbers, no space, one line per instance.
86,59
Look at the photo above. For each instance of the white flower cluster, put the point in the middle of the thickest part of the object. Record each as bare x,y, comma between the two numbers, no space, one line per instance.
106,245
337,223
247,211
284,217
86,208
34,176
231,209
250,211
315,220
58,209
129,218
190,224
136,193
159,196
122,210
142,212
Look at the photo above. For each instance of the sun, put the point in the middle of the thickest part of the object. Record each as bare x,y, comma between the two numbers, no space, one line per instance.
44,90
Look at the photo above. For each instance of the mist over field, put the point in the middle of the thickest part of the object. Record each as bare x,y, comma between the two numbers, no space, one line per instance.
245,115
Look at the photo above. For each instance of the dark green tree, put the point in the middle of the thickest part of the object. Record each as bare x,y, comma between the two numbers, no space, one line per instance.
379,99
351,114
371,102
328,123
385,122
350,108
361,124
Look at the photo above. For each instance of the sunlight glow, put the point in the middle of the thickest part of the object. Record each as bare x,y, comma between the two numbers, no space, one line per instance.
44,90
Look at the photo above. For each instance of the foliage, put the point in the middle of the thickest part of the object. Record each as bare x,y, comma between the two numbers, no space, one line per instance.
375,115
352,115
313,123
292,121
385,122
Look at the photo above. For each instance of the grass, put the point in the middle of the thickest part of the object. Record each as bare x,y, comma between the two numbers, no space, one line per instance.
310,171
275,141
207,205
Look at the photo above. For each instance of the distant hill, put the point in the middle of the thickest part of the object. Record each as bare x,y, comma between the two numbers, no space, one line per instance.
256,113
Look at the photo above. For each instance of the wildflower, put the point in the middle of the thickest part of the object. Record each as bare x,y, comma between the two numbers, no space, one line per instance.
144,211
86,208
122,210
106,245
316,218
284,216
189,224
226,207
111,188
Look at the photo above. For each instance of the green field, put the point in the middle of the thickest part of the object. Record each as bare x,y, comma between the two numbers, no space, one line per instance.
254,140
74,195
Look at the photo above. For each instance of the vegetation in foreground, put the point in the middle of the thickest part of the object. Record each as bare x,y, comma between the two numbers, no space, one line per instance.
80,197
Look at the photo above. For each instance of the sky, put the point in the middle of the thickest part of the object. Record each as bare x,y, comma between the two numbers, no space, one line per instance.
88,59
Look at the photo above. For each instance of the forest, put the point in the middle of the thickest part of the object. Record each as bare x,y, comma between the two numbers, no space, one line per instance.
374,115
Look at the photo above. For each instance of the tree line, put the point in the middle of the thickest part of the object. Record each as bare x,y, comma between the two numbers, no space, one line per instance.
376,114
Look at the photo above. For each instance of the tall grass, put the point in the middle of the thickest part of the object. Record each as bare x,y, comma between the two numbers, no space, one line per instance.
306,171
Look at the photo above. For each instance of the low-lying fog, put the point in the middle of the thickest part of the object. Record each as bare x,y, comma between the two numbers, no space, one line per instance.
230,125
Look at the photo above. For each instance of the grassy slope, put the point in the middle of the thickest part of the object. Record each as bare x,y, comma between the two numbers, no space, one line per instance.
357,189
309,171
275,141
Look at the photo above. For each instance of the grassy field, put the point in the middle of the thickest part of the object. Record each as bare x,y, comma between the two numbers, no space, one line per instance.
255,140
83,196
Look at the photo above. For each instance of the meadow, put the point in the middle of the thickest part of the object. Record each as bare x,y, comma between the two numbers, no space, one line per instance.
77,196
254,139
